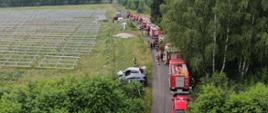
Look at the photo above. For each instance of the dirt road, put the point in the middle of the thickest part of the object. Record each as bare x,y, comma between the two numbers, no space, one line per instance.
161,93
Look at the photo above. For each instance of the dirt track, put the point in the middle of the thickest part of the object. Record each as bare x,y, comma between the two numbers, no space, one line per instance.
161,93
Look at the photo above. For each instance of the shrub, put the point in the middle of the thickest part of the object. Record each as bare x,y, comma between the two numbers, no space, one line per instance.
84,95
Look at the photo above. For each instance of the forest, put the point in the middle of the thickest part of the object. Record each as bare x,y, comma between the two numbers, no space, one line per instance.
225,43
136,5
16,3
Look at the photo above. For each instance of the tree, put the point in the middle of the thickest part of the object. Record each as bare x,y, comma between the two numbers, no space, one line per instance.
218,36
217,99
209,100
84,95
155,10
141,6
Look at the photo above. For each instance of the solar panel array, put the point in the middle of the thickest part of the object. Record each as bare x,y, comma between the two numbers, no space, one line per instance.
47,38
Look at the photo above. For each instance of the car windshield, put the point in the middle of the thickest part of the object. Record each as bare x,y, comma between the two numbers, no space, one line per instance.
179,111
134,71
135,78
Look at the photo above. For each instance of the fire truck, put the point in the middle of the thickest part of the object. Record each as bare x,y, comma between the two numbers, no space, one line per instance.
180,103
155,31
144,23
179,77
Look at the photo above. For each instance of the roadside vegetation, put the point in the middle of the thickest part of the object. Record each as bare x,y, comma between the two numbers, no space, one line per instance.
69,95
225,44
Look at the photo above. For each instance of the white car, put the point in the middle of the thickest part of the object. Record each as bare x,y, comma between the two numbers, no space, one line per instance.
133,74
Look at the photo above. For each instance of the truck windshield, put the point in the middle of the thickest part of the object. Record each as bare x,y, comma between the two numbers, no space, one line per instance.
175,69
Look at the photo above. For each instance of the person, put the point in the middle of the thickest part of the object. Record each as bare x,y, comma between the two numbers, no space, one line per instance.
123,26
156,44
157,59
134,61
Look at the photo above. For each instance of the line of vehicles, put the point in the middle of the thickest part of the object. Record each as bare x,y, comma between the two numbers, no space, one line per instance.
179,76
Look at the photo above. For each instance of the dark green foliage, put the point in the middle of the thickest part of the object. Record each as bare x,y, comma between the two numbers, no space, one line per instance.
9,3
211,97
138,5
141,5
219,35
209,100
155,10
225,43
84,95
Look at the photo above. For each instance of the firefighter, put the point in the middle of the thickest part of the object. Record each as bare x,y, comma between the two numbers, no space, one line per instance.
156,44
158,57
134,60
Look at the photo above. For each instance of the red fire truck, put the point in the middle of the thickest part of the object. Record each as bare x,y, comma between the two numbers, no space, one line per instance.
155,31
180,103
179,77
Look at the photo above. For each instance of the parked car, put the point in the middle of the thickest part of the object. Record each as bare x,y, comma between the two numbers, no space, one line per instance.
133,74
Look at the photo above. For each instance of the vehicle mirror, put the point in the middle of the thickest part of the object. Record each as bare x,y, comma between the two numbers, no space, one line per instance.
143,67
120,73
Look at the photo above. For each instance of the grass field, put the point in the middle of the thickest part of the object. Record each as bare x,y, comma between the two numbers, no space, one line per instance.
100,61
108,56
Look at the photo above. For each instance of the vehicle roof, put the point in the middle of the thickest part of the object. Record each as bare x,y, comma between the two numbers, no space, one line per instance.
135,75
177,61
181,102
133,68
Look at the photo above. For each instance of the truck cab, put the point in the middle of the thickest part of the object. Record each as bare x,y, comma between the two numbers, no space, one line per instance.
178,74
180,104
155,31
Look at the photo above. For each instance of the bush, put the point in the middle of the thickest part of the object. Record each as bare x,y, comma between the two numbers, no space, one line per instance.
85,95
212,99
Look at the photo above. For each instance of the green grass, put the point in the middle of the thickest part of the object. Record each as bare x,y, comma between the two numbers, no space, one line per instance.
91,64
63,7
109,56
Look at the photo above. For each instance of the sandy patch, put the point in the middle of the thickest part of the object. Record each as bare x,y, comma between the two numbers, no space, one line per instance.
124,35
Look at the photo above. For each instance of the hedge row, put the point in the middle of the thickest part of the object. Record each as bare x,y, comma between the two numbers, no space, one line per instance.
84,95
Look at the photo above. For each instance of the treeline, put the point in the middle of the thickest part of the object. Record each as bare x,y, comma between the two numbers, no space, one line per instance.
225,43
138,5
73,95
156,15
16,3
226,36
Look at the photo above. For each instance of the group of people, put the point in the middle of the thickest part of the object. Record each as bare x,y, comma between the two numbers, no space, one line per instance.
123,24
158,46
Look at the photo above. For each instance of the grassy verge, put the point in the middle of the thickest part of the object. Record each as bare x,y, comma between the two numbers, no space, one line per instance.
148,90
